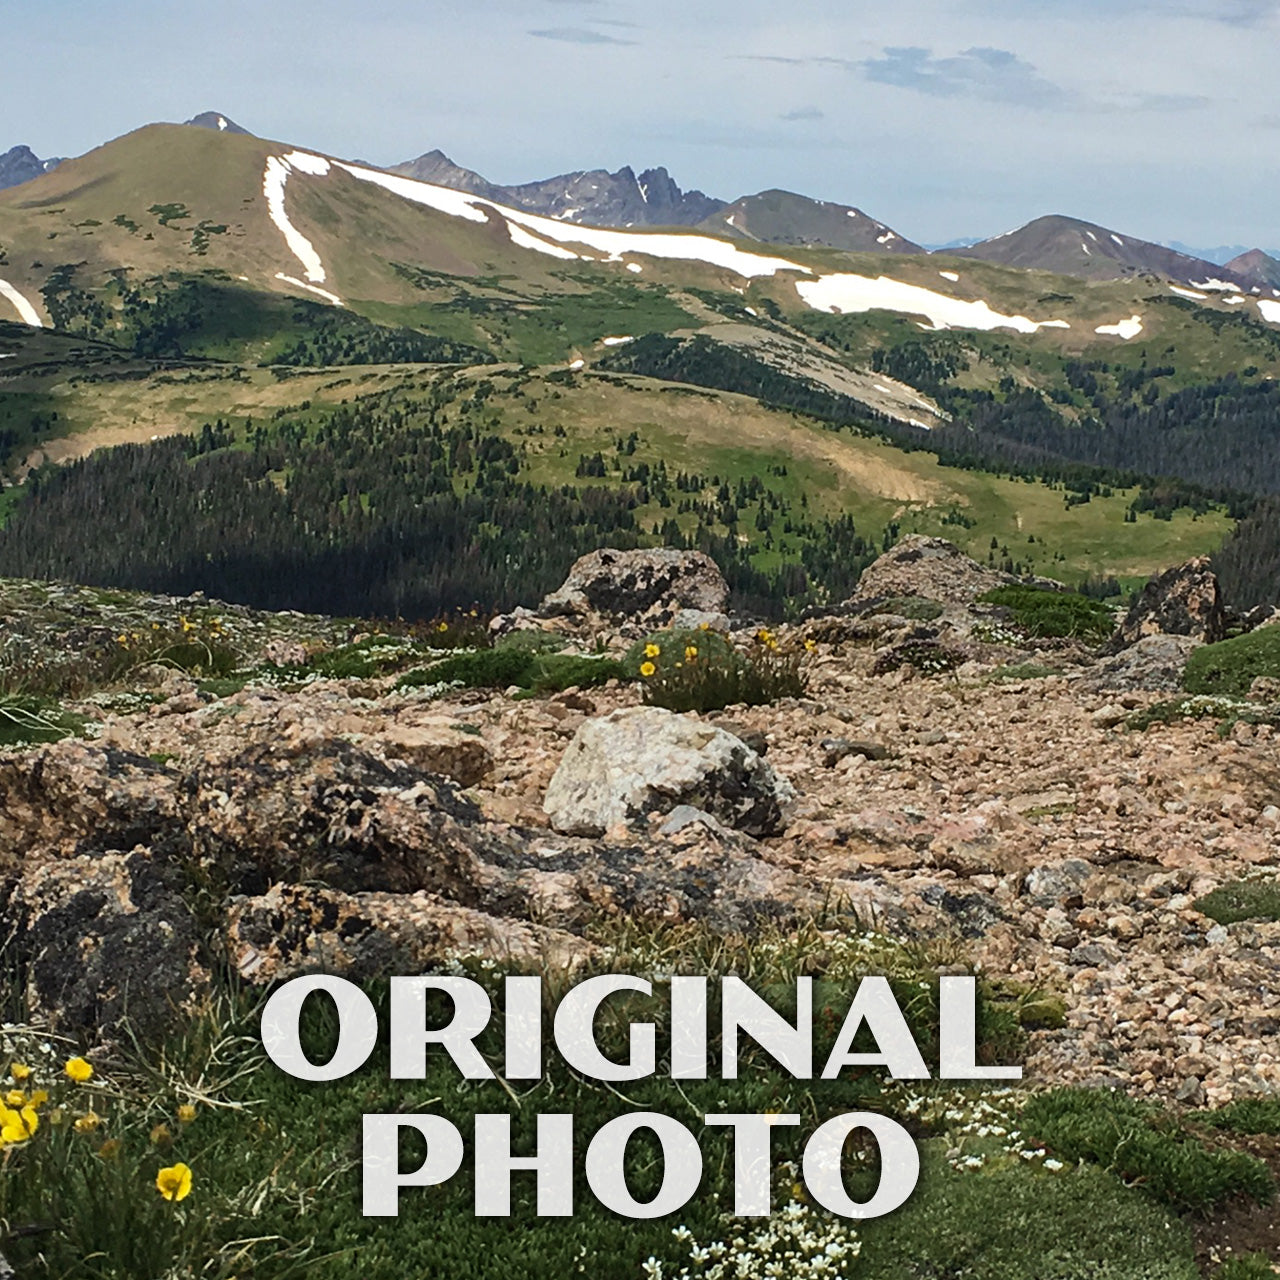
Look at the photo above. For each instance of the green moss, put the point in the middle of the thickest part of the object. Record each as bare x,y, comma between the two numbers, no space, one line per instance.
1242,900
1041,612
1248,1115
1231,666
1143,1145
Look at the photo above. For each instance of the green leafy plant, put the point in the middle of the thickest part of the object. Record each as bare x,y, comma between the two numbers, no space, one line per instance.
700,669
1040,612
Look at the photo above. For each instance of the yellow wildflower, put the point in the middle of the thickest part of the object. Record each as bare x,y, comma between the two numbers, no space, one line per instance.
79,1070
39,1098
88,1122
690,652
187,1113
174,1182
652,650
442,627
16,1098
647,669
19,1071
17,1126
810,645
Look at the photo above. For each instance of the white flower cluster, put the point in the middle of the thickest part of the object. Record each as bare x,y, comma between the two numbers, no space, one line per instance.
979,1127
998,633
794,1244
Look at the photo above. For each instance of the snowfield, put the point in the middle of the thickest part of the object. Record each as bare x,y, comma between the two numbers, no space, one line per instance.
1270,310
1188,293
618,341
852,293
26,312
274,179
1125,329
519,236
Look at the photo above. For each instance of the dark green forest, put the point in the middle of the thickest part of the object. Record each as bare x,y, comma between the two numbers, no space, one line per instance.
376,509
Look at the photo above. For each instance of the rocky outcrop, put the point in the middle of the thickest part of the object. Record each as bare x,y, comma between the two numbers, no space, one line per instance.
932,568
644,760
634,592
1182,601
1153,664
96,939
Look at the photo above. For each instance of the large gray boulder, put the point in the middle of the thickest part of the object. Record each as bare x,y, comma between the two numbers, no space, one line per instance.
930,567
1153,664
642,760
653,585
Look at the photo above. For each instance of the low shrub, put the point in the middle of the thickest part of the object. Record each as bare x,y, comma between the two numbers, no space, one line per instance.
1247,1115
503,667
703,670
475,669
1040,612
928,656
1144,1146
197,646
1231,666
1242,900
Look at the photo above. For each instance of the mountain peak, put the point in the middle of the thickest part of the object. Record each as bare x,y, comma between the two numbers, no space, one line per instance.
216,120
1258,266
1071,246
20,164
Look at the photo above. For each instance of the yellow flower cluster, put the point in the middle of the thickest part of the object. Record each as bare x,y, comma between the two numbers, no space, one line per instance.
20,1121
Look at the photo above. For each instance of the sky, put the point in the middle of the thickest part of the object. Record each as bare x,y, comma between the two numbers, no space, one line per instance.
942,118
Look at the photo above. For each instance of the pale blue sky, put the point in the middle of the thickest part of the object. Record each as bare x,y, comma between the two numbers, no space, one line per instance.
941,117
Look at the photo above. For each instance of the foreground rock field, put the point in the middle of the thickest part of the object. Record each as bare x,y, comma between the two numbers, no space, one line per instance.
1006,808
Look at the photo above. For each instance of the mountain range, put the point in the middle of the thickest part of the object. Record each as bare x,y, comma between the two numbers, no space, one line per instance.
598,198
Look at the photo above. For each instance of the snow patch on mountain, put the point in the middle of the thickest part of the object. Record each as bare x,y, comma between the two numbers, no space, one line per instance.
1188,293
853,293
1125,329
679,246
26,312
311,288
1219,286
1269,310
522,238
274,179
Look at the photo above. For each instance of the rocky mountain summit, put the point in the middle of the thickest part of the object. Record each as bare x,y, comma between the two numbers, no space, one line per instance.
1038,803
21,164
594,197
